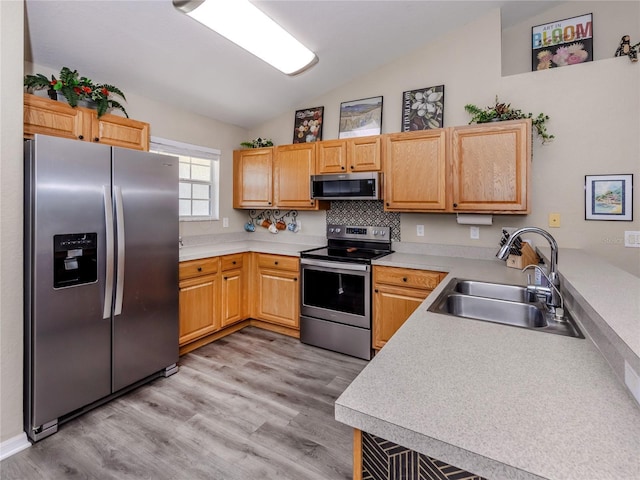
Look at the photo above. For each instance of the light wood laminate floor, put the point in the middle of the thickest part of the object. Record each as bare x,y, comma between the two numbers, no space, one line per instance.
255,405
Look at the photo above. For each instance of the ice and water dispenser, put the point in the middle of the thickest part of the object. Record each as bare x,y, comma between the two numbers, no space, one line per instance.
75,259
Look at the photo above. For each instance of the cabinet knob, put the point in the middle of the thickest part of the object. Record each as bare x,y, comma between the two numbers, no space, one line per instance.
342,168
455,205
226,278
269,203
199,269
351,167
96,139
311,202
404,279
275,263
376,290
234,262
81,137
295,279
387,204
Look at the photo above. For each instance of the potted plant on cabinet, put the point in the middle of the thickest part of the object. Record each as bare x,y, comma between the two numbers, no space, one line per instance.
503,111
77,89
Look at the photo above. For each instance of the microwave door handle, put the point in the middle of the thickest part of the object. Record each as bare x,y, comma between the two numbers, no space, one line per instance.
121,239
108,278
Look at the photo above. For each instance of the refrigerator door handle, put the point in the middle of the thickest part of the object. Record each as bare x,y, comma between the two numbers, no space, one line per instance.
120,271
108,278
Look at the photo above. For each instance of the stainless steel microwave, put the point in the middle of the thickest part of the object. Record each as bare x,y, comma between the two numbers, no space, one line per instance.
347,186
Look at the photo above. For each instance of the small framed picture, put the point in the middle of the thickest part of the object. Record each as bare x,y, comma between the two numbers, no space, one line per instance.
608,197
360,118
307,125
423,109
561,43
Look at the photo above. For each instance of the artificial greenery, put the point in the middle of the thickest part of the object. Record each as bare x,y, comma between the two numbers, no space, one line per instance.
258,143
503,111
76,88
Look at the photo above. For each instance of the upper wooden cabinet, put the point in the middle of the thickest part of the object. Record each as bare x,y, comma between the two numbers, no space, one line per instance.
252,178
415,171
475,168
490,167
275,177
361,154
293,167
50,117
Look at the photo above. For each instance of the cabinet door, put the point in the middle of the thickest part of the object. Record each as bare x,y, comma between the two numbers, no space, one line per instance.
331,156
48,117
278,297
199,312
490,167
252,179
120,132
294,165
415,171
391,308
233,297
364,154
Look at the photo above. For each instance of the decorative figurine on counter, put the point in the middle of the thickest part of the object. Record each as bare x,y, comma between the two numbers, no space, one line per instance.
626,48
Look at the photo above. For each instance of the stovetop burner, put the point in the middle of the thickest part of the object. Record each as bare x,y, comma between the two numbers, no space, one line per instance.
354,244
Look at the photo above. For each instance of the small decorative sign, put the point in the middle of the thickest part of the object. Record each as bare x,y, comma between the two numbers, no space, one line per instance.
360,118
608,197
423,109
561,43
307,125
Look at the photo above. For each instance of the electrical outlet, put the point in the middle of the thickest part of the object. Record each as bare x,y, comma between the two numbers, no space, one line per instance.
632,239
225,222
420,230
554,220
474,232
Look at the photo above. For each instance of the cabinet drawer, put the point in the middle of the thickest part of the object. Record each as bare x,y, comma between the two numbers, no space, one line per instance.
194,268
231,262
278,262
407,277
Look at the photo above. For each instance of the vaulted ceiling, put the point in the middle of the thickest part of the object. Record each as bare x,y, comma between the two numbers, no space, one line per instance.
150,48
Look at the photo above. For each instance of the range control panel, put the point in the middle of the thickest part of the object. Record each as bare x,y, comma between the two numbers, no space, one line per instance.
358,232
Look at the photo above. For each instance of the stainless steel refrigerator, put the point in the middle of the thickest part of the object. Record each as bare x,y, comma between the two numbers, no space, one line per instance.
101,275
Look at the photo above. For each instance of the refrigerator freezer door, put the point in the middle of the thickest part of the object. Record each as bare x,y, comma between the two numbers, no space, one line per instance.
68,342
145,324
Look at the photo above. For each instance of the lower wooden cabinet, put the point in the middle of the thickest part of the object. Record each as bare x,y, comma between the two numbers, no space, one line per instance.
216,298
277,290
397,292
199,298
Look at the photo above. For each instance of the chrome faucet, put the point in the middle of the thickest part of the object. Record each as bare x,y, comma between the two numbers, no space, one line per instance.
554,298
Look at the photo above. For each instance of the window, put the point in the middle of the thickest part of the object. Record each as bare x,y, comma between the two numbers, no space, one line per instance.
198,177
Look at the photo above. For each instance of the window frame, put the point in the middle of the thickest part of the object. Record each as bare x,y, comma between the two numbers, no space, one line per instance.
173,147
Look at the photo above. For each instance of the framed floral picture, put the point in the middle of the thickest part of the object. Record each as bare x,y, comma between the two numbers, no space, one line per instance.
561,43
423,109
608,197
307,125
360,118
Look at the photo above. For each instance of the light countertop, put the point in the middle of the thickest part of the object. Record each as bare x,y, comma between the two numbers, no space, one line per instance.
501,401
213,250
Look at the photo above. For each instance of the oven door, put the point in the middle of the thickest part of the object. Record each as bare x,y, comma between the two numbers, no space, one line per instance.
336,291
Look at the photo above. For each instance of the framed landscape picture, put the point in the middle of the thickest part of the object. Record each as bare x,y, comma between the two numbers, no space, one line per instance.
561,43
307,125
608,197
423,109
360,118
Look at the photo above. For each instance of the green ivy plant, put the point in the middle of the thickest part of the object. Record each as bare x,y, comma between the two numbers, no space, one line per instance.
258,143
503,111
76,88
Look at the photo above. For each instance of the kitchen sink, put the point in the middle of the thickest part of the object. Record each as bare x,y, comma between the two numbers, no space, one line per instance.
500,303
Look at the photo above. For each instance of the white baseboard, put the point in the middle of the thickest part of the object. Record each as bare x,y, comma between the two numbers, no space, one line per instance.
14,445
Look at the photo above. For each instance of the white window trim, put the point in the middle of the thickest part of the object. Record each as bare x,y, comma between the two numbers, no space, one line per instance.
180,148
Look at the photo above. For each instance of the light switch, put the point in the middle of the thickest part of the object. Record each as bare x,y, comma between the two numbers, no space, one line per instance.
420,230
474,232
632,239
554,220
225,222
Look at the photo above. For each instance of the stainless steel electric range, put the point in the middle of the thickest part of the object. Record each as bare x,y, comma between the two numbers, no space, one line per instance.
335,311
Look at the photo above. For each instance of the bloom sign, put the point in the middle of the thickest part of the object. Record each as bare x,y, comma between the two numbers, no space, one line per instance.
564,42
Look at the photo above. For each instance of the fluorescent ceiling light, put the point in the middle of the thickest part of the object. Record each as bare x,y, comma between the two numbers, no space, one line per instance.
248,27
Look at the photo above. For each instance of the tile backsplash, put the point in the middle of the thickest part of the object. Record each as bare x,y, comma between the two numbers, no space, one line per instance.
364,212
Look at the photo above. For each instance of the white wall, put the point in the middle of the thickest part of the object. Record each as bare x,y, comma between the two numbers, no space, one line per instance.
594,109
11,59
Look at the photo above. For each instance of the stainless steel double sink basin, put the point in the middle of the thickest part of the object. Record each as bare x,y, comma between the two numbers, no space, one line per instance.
500,303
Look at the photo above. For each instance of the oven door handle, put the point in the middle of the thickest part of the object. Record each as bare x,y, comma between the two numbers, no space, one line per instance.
336,265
